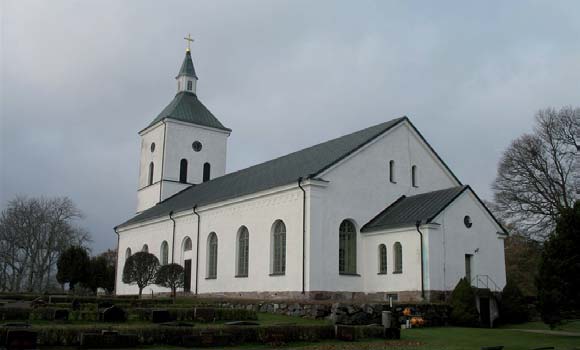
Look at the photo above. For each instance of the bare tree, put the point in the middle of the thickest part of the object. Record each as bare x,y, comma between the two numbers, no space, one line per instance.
536,178
33,233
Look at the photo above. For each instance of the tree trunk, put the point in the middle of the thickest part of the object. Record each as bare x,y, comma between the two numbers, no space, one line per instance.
140,292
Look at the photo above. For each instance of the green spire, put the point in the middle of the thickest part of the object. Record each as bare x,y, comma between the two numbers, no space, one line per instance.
187,66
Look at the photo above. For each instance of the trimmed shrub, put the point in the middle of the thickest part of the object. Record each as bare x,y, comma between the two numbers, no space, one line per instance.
46,313
82,315
14,313
463,309
513,306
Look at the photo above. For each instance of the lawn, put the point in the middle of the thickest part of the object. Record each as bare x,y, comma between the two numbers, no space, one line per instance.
444,338
568,326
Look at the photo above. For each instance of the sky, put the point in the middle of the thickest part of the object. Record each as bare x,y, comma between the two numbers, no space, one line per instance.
79,79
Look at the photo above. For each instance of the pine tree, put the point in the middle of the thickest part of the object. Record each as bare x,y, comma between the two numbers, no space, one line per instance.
463,309
558,280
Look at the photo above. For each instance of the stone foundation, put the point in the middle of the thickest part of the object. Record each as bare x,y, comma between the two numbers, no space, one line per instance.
315,296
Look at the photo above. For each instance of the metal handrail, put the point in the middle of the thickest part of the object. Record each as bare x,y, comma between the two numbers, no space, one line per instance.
486,282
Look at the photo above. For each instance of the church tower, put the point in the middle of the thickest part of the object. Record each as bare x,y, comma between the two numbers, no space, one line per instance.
183,146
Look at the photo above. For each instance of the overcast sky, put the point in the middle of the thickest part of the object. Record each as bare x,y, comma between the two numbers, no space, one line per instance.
79,79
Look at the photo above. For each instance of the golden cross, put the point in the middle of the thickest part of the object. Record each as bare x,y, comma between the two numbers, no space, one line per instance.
189,41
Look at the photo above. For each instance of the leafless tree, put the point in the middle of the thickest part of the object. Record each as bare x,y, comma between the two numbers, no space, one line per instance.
537,175
33,232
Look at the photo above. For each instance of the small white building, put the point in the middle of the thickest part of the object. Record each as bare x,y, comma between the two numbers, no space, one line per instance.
372,214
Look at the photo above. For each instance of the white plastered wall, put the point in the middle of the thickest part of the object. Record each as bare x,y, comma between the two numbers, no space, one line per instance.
449,243
358,189
258,213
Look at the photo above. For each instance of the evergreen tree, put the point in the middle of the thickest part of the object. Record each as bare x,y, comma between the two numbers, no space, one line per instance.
73,266
513,307
463,309
558,280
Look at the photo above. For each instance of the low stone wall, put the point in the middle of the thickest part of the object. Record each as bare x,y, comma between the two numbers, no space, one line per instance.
345,313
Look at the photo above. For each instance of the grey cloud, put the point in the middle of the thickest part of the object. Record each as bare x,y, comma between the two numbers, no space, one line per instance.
81,78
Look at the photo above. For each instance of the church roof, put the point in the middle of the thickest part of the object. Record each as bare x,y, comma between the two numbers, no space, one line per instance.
187,66
306,163
424,207
186,107
406,211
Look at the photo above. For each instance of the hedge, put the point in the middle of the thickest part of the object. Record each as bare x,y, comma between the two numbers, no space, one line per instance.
188,314
69,335
14,313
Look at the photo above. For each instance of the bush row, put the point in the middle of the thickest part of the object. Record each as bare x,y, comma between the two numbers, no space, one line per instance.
186,336
140,314
189,314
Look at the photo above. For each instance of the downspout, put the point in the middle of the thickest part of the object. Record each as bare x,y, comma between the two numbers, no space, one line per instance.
173,239
117,262
417,224
197,250
303,235
162,161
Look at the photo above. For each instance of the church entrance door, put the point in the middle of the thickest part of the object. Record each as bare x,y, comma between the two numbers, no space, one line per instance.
187,273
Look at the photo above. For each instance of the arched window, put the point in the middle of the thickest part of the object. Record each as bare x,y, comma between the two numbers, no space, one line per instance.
145,248
212,255
392,171
187,245
164,253
183,171
278,248
206,172
398,257
382,259
414,176
189,85
243,252
150,178
127,253
347,248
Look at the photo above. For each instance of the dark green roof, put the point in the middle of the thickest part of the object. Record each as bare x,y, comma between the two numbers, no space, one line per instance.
307,163
187,66
186,107
406,211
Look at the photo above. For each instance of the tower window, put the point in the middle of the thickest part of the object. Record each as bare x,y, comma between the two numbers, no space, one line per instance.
189,85
414,176
206,172
152,147
150,179
392,171
196,146
183,171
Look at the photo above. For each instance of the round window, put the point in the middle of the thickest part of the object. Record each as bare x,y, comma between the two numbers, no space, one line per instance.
467,221
196,146
152,146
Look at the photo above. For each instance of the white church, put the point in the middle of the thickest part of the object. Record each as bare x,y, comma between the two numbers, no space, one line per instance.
374,214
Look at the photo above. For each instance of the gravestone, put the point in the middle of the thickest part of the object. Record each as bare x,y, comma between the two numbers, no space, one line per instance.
21,339
346,333
61,315
242,323
204,314
114,314
76,305
108,339
387,319
392,333
105,305
160,316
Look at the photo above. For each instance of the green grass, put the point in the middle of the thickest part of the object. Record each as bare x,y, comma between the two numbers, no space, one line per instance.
568,326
